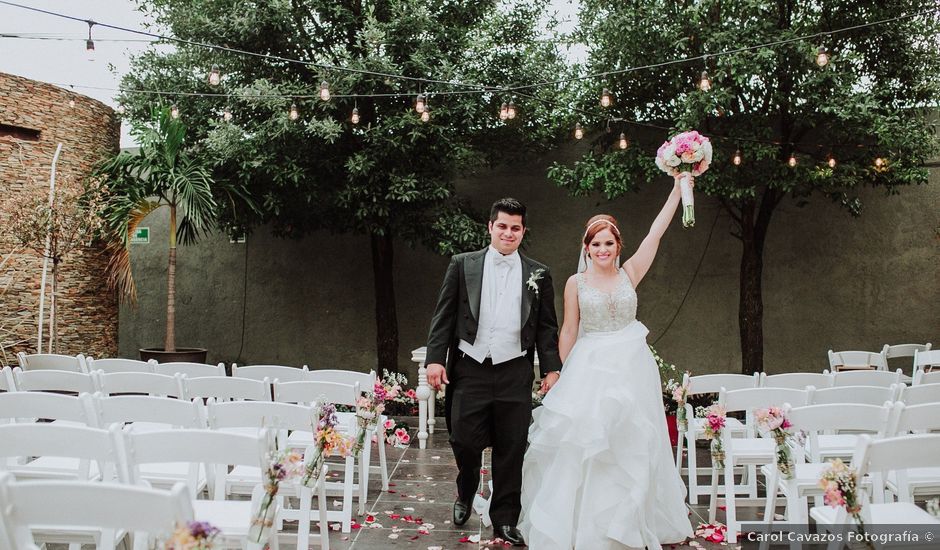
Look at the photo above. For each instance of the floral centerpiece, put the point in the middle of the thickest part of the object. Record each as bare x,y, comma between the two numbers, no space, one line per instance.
774,421
369,409
280,466
193,535
396,433
714,424
684,156
840,483
328,442
668,374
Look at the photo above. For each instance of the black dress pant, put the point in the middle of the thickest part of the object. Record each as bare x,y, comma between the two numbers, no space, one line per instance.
491,407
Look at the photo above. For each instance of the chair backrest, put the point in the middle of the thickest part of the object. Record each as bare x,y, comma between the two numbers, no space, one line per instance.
274,373
43,439
121,409
795,380
712,383
109,506
226,388
868,395
920,394
44,361
813,419
146,383
308,392
749,399
866,378
903,350
366,380
6,379
191,370
29,406
856,360
916,418
926,367
895,453
258,414
53,380
120,365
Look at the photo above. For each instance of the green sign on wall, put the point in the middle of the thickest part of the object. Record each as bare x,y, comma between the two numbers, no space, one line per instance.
141,236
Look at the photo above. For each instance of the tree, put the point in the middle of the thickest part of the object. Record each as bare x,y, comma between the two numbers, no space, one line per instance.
390,175
864,109
167,171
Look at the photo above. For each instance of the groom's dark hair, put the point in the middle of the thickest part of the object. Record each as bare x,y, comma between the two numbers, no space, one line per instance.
510,206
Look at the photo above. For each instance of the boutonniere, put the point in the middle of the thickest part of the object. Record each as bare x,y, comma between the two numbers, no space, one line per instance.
534,278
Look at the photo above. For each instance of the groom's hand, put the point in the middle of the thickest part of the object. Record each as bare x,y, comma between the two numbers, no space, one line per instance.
437,374
549,381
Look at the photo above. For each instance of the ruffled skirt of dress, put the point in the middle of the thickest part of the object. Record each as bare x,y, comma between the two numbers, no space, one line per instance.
599,471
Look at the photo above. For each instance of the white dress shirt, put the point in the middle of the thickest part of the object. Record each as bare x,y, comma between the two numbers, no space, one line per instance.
500,326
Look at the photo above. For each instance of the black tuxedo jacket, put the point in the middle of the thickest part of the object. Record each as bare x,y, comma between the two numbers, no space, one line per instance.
458,310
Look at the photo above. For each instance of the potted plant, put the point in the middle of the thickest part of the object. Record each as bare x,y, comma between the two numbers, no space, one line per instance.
166,172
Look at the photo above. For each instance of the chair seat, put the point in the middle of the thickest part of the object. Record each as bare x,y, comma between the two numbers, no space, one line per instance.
893,513
53,467
835,446
241,480
231,517
163,475
752,450
922,481
806,478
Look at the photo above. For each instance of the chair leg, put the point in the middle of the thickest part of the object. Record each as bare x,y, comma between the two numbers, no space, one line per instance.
383,465
303,523
713,501
321,506
731,519
751,481
771,503
365,459
347,493
692,461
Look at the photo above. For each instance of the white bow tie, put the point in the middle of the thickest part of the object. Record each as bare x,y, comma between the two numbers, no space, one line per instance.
500,259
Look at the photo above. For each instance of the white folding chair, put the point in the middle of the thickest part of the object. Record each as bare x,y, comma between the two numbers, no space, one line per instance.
870,395
795,380
109,510
926,367
6,379
192,370
899,351
52,361
856,360
866,377
218,450
908,484
920,395
143,383
274,373
366,381
58,452
749,451
119,365
226,388
880,456
698,385
27,407
53,380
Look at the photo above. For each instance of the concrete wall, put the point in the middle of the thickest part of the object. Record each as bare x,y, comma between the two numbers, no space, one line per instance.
35,117
830,281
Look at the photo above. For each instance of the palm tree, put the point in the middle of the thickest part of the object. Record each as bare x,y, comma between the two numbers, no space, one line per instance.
165,172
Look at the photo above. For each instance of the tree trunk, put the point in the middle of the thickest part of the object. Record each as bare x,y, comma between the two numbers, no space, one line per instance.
169,341
386,316
53,318
751,307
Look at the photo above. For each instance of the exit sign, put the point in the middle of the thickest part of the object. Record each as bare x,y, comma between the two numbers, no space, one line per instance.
141,236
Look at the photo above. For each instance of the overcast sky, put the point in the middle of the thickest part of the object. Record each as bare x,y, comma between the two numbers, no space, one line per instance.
55,51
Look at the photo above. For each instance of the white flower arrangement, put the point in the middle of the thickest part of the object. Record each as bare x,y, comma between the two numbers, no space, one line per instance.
534,278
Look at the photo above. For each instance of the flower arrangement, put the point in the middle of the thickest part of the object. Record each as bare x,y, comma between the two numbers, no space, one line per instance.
533,282
714,424
396,433
193,535
328,442
773,420
401,402
369,409
840,483
685,155
281,465
668,373
679,392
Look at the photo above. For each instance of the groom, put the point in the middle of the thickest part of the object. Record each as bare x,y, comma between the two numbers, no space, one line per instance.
494,309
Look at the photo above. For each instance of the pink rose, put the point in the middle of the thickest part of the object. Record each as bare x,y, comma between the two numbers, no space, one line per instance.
405,438
411,394
389,424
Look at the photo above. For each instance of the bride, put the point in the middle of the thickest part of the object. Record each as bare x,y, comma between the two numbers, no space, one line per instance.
598,473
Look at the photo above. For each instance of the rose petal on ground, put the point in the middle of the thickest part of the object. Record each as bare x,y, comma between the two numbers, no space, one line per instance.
393,536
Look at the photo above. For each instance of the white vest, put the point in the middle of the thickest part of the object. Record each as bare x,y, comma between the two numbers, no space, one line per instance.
500,325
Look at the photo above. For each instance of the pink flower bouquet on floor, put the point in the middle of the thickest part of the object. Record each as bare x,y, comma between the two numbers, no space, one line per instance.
685,156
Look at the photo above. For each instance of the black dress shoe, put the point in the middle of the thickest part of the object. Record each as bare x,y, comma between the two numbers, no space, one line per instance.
509,533
462,511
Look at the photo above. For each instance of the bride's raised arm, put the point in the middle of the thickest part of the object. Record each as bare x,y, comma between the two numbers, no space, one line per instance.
638,264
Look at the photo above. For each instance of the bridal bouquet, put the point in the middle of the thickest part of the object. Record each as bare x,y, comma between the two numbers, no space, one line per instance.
685,155
714,423
774,421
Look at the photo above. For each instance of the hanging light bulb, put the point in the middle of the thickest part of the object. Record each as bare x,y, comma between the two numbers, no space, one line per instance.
831,161
420,103
578,131
175,111
737,158
704,83
503,111
72,102
605,98
426,114
355,116
294,112
880,163
90,44
511,110
624,142
120,109
792,160
822,56
227,115
324,91
215,77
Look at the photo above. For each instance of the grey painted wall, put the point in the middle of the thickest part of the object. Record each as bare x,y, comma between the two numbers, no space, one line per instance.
830,281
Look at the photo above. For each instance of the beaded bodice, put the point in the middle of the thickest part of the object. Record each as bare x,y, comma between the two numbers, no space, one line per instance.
606,311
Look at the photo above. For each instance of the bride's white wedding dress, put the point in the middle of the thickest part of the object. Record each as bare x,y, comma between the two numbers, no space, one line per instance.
599,471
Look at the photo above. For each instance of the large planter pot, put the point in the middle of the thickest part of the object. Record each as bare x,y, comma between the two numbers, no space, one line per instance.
187,355
673,429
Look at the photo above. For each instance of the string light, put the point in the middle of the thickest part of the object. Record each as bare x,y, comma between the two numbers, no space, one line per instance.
324,91
822,56
578,131
227,115
624,142
426,114
792,160
880,163
605,98
294,113
511,110
704,83
831,161
737,158
90,44
420,103
175,111
355,116
503,111
215,77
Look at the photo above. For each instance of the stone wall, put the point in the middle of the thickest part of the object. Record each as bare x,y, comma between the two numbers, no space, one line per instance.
34,118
